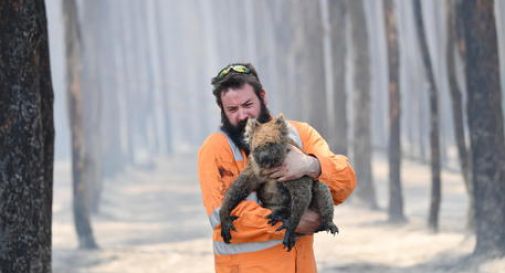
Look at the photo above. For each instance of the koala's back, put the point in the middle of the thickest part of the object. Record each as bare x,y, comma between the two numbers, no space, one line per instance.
277,195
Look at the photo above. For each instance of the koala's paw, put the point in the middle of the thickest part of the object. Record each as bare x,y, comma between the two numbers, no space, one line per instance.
227,227
284,225
328,227
275,217
289,240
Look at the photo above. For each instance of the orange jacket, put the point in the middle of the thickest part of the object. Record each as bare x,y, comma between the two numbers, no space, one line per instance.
256,246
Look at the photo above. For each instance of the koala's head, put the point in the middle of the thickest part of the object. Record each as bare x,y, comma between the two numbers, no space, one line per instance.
268,141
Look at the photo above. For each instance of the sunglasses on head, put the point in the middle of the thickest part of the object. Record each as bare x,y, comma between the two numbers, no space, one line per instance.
238,68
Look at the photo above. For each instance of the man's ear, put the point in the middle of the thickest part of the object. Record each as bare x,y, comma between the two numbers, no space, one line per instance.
263,96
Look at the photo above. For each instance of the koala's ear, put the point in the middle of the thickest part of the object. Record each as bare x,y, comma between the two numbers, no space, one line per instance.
280,119
251,125
282,124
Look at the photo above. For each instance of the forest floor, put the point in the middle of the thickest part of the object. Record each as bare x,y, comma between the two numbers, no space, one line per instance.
152,220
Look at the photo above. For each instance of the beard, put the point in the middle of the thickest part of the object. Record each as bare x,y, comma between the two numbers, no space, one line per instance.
236,132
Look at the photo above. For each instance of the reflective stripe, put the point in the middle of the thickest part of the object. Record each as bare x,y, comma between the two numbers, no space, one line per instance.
214,218
293,134
237,155
253,197
222,248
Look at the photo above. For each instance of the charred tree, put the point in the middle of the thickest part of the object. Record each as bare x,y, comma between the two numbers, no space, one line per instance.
457,106
113,158
395,210
313,67
338,19
93,63
26,138
165,76
361,145
485,120
279,12
129,80
80,155
434,119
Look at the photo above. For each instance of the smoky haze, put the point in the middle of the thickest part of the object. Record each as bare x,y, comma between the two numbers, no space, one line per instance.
147,105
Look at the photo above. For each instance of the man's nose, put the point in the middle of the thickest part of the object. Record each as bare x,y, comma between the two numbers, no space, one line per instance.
243,114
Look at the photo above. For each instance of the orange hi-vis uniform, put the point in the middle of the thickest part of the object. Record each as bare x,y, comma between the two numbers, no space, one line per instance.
256,246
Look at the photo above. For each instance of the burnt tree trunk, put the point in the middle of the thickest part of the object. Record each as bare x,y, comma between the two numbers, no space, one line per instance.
395,210
485,119
93,60
26,138
362,148
315,88
80,155
337,16
434,117
165,47
112,154
457,108
129,80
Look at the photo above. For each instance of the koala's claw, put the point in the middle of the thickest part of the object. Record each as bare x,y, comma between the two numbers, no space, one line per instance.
289,240
274,218
329,227
227,227
283,226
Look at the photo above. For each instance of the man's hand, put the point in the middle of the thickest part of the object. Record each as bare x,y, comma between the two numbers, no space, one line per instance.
296,164
309,223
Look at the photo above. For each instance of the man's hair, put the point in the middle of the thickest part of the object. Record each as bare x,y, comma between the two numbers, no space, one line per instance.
235,80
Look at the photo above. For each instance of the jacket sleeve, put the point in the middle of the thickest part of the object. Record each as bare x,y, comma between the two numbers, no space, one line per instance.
217,171
336,171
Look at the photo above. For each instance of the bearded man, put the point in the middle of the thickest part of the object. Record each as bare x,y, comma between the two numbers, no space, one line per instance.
257,245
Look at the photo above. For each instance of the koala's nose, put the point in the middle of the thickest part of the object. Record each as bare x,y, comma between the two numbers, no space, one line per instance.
263,157
268,156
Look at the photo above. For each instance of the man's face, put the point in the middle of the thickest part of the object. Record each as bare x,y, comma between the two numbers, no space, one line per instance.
238,105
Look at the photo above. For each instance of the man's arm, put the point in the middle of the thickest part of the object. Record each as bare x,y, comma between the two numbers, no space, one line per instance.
336,170
296,164
318,162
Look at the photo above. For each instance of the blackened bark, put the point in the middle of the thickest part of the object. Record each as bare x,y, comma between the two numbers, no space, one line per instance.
457,108
485,119
337,16
395,210
362,148
80,156
434,130
26,138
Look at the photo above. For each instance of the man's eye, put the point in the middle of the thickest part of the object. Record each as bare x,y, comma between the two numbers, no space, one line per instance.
248,105
232,110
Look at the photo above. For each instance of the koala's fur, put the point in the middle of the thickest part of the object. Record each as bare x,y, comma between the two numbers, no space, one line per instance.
287,200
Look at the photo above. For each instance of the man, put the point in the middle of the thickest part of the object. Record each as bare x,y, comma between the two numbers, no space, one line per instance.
256,245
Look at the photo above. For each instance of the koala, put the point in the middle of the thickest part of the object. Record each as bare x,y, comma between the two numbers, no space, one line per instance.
288,200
